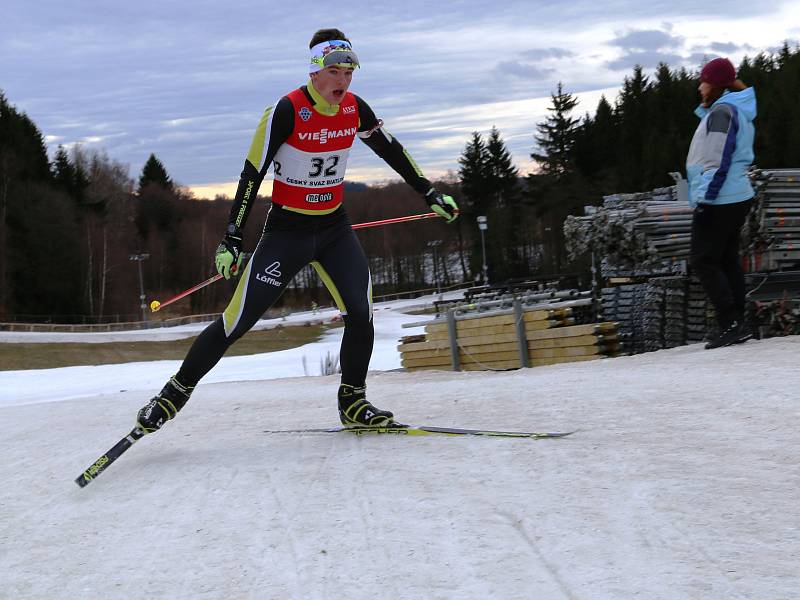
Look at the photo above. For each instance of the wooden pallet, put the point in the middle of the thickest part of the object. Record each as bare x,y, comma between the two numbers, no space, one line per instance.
492,343
604,328
576,340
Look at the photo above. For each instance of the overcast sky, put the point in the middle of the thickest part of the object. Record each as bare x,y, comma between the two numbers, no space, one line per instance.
188,81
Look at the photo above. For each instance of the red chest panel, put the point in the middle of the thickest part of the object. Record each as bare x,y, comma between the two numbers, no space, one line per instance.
310,166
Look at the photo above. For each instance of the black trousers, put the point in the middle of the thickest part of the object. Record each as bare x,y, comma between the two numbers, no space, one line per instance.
715,257
290,242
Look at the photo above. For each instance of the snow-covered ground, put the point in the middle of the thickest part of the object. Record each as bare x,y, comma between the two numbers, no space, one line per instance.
681,483
24,387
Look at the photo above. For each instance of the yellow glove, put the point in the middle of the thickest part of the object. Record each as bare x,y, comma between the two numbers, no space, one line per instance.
228,258
442,204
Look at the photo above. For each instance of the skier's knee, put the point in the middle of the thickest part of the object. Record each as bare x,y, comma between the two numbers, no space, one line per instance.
358,319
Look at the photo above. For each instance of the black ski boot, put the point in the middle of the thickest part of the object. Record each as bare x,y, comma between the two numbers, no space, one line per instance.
736,333
356,411
164,406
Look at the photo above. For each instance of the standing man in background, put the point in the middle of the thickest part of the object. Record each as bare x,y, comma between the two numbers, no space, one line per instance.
720,193
306,137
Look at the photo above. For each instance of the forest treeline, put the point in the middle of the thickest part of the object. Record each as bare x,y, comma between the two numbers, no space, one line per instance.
70,226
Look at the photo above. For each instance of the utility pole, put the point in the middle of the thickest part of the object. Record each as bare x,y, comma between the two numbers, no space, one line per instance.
483,226
139,258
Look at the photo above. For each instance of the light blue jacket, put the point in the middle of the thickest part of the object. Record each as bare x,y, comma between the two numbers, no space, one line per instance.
722,150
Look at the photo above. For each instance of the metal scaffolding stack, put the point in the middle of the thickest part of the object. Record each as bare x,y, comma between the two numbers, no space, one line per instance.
579,301
774,302
637,319
617,306
650,315
700,321
640,244
636,235
673,310
774,226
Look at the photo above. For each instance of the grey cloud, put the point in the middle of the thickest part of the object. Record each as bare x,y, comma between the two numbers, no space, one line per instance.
647,39
545,53
698,59
647,60
517,68
729,47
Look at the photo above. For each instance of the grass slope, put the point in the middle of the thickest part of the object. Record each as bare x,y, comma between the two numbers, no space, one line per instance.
22,356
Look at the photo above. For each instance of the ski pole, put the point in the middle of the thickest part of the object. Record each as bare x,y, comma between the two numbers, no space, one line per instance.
395,220
155,305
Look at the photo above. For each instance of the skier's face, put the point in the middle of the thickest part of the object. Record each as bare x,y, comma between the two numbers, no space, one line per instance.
332,82
708,93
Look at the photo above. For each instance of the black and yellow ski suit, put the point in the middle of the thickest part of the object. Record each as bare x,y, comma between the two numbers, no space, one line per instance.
307,141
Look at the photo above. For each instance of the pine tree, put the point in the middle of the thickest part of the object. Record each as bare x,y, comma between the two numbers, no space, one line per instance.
22,146
508,258
81,183
154,173
664,141
473,175
555,190
502,175
557,135
156,199
63,172
634,113
39,255
596,148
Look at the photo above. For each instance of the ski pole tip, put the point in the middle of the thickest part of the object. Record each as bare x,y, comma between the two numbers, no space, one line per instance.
155,305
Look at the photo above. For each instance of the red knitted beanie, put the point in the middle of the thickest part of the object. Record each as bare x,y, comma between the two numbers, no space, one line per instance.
719,72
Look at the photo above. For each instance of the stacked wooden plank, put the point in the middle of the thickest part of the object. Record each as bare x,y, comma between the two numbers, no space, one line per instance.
573,343
492,343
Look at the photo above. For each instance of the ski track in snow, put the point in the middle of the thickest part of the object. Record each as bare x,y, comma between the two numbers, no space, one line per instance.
539,557
681,483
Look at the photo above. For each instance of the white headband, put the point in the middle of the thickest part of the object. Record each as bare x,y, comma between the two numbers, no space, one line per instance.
332,52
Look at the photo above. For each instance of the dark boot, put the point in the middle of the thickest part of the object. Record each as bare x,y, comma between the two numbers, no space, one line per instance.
164,406
356,411
735,333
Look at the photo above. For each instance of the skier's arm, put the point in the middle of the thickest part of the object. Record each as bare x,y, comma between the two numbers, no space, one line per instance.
722,126
273,129
385,145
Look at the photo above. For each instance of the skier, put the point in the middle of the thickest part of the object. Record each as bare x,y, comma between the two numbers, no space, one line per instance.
720,193
306,136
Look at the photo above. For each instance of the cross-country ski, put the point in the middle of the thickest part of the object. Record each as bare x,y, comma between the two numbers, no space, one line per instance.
427,430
